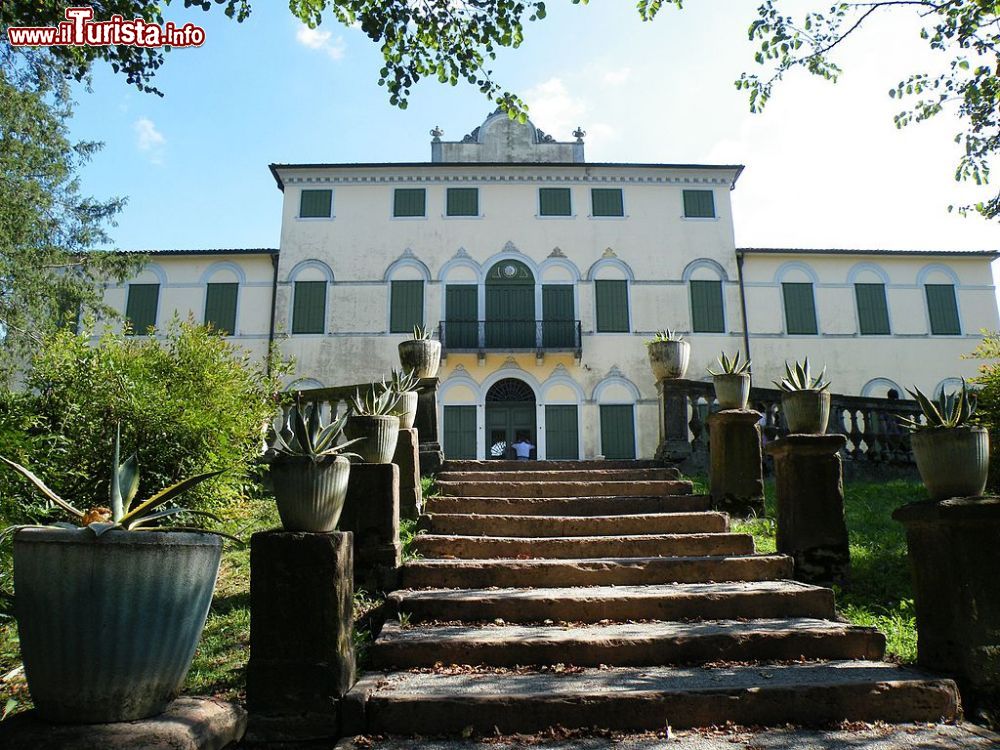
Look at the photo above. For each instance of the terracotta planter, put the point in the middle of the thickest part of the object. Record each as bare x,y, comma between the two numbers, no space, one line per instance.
423,357
732,390
310,495
380,435
669,359
109,625
952,462
806,412
407,409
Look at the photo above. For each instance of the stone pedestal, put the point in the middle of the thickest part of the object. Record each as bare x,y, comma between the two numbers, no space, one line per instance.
301,621
407,458
809,484
954,551
371,513
736,474
675,444
431,455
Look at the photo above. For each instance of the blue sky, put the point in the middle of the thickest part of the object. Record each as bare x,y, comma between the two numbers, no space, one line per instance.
826,167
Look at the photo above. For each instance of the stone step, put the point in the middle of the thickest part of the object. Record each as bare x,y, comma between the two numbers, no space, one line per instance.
629,571
624,645
567,506
682,601
522,466
644,545
648,698
562,475
535,526
523,488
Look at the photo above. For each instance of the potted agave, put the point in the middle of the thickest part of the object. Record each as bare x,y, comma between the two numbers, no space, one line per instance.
402,383
953,456
110,607
805,400
732,382
668,355
421,355
372,419
309,471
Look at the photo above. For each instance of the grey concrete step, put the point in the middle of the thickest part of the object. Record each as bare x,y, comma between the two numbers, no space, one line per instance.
521,466
592,572
644,545
516,486
624,645
568,506
646,698
536,526
682,601
561,475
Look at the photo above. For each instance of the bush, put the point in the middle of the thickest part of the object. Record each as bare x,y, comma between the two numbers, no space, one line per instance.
988,408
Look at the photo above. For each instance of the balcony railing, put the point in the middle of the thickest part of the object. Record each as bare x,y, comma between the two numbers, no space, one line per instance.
511,335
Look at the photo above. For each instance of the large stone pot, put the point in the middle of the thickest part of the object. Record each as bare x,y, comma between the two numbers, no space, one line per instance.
806,412
952,462
407,409
669,359
109,625
732,390
423,356
310,494
380,435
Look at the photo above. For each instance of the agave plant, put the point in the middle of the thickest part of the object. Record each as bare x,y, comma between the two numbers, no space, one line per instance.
800,379
401,381
304,434
421,333
377,402
948,410
124,512
732,366
665,335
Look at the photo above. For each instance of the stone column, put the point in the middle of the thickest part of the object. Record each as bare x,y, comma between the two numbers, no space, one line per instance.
675,445
954,551
426,423
407,458
736,474
371,513
809,484
301,620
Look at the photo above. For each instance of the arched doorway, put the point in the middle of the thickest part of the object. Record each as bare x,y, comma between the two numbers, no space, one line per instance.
510,413
510,306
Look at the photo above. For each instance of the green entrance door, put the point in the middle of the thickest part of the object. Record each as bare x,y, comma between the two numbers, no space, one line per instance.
510,414
510,306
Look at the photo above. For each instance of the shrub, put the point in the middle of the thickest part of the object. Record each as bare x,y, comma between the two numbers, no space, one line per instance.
988,406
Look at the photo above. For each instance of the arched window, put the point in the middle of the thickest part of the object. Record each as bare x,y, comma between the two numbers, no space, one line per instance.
939,284
142,303
616,397
611,279
222,288
869,295
309,285
798,297
705,280
406,277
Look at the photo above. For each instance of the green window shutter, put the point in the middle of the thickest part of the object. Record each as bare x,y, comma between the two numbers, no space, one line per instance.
220,307
943,309
558,316
316,204
140,308
554,202
617,431
459,432
406,305
463,202
800,308
706,307
562,433
409,202
309,307
611,300
607,202
873,312
699,204
461,305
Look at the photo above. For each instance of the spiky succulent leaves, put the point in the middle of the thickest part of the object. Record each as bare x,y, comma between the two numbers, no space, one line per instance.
949,410
420,333
43,488
171,512
163,496
301,431
315,425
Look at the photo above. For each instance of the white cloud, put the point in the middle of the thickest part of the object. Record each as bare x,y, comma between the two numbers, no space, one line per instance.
148,139
558,112
616,77
321,40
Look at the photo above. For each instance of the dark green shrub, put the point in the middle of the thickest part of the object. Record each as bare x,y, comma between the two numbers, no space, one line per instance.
988,407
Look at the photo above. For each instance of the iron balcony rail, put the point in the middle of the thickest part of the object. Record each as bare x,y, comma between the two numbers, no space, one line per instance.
511,335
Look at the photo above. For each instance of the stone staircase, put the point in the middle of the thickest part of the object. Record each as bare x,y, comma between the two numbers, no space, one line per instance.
608,595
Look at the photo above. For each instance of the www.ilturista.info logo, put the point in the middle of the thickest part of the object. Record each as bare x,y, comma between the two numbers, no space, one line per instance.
80,30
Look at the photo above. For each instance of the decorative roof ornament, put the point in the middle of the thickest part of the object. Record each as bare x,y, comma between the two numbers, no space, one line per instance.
437,132
461,253
543,137
614,372
510,247
579,133
407,253
557,253
609,253
472,137
510,364
559,371
459,372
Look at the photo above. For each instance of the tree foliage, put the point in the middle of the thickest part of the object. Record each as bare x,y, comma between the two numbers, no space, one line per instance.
988,398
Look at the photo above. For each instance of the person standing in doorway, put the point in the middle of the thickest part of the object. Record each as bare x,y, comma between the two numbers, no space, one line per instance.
523,447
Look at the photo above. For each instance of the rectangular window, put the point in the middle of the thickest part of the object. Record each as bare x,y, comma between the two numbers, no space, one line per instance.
316,204
558,319
463,202
873,312
562,434
406,306
800,308
140,308
220,307
611,300
699,204
309,307
554,202
459,432
461,304
409,202
607,202
617,431
706,307
943,309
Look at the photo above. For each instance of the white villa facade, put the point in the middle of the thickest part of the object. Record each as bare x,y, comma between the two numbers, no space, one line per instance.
544,275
